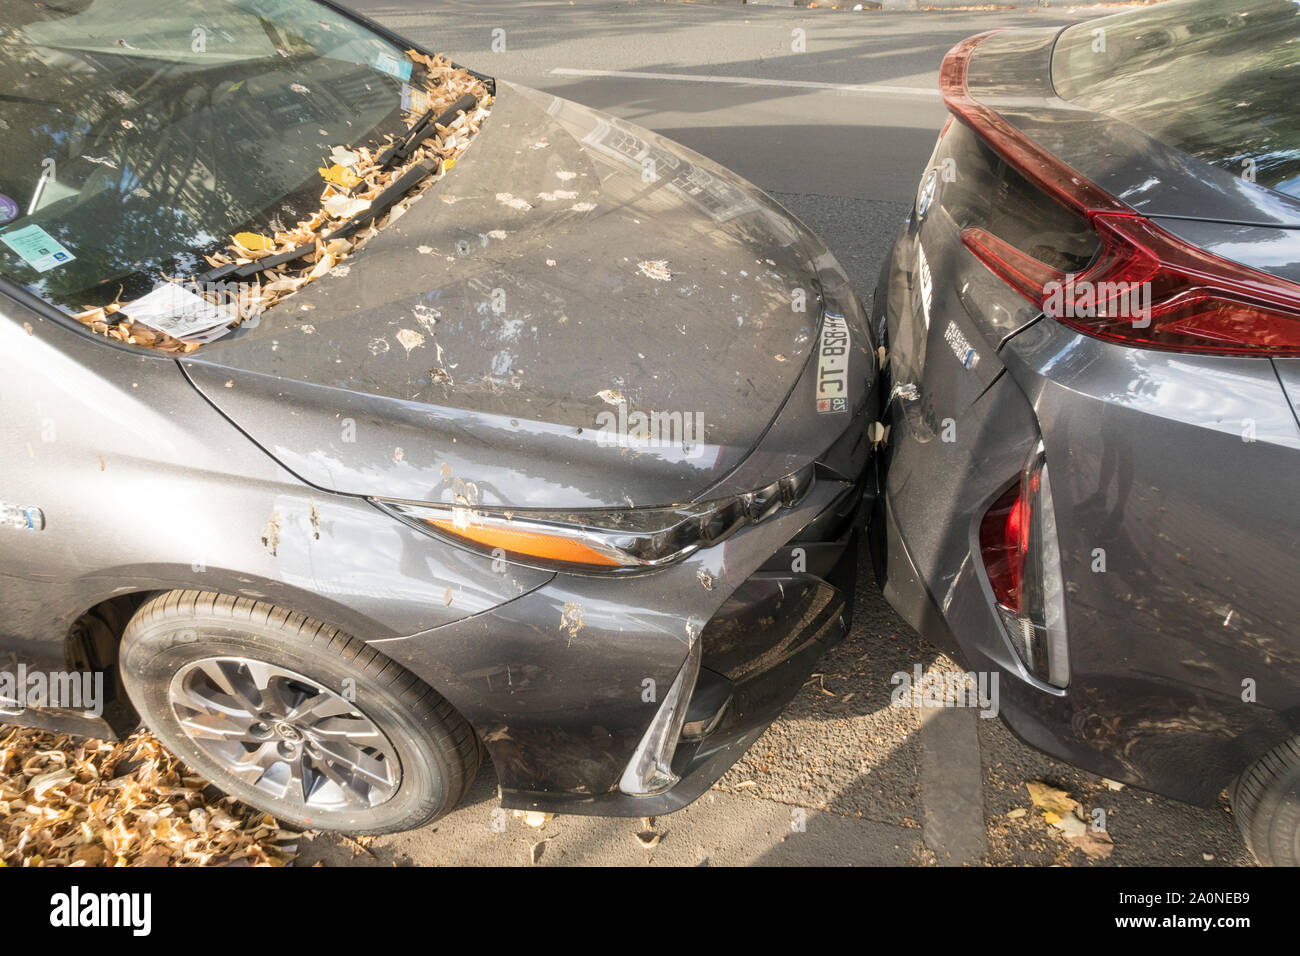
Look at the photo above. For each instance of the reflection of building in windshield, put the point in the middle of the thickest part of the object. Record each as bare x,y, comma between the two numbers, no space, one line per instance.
207,31
720,199
102,136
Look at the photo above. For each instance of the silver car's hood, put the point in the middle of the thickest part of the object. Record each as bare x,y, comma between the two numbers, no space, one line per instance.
571,269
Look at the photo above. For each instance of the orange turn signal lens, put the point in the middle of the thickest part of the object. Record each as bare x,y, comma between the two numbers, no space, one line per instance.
599,540
525,542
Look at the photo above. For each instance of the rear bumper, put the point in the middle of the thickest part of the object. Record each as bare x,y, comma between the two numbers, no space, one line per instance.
1189,604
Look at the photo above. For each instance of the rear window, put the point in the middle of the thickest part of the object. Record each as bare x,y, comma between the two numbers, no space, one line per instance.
989,194
1214,78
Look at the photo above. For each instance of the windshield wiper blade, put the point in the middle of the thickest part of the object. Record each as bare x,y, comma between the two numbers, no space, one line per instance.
398,188
424,127
395,190
386,155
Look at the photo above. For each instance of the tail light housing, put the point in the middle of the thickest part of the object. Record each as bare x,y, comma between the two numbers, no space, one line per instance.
1021,555
1189,300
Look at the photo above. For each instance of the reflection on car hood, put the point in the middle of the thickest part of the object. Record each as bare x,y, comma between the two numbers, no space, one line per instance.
571,272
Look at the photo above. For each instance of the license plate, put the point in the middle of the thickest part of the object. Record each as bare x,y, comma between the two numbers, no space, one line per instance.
833,365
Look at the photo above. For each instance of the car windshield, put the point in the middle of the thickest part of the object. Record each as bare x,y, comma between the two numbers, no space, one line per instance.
1214,78
140,135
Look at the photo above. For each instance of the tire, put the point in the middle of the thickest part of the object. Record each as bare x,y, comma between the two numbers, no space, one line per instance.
1266,803
294,717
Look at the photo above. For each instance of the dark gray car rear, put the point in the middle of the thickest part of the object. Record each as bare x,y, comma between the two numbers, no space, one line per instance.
1172,471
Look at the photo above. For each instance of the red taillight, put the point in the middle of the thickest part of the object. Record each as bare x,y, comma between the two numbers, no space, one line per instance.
1146,287
1002,546
1021,557
1027,275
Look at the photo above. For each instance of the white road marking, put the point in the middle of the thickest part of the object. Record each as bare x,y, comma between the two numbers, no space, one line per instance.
878,88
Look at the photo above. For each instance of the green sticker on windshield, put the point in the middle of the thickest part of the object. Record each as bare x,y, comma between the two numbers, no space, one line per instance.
38,248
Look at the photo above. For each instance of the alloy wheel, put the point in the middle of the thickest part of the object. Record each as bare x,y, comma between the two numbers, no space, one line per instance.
284,734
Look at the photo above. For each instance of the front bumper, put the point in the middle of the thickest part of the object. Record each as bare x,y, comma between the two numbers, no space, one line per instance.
757,652
562,682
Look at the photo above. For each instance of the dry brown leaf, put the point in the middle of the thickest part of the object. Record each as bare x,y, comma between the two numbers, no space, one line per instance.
1095,844
535,853
254,242
1050,800
74,802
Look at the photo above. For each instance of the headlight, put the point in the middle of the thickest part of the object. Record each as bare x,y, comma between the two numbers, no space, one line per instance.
600,540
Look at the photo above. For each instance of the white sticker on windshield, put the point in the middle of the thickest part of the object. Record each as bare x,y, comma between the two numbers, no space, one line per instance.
38,248
180,313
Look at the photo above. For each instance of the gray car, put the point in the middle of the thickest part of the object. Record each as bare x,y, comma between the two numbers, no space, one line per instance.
566,465
1092,316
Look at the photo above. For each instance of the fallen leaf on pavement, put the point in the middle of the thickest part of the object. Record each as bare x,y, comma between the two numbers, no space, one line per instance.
1095,844
1050,800
1062,811
69,801
1070,825
535,853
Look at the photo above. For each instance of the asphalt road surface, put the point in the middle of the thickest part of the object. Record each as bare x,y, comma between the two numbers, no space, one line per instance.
838,134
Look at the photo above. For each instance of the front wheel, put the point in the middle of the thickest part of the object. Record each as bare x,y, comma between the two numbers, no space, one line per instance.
294,717
1266,803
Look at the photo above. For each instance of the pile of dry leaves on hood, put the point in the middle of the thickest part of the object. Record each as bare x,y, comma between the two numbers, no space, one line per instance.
69,801
352,179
